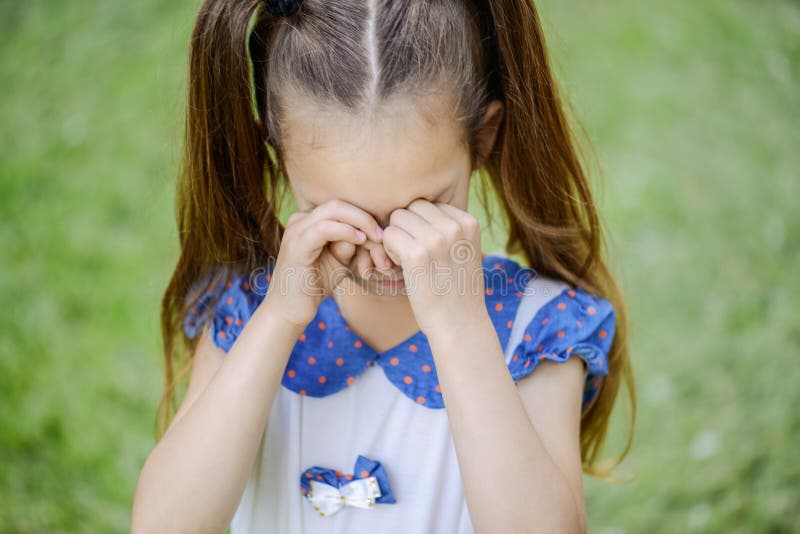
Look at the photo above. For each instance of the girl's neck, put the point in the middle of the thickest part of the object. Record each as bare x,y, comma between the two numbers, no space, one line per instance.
381,321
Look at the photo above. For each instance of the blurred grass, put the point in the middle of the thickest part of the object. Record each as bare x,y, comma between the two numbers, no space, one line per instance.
693,111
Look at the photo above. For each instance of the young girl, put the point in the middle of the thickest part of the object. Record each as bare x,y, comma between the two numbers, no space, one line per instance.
366,367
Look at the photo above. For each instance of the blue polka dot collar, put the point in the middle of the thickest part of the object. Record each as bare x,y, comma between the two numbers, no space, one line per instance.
329,356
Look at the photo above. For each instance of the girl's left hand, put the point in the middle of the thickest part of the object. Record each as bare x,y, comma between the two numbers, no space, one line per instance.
439,248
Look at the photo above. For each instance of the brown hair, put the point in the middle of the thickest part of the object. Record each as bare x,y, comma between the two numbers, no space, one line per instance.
354,55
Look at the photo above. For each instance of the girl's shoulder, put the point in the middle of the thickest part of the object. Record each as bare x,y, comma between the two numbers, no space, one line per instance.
552,320
225,300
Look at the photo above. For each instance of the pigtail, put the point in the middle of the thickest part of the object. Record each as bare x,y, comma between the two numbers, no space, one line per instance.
550,215
227,197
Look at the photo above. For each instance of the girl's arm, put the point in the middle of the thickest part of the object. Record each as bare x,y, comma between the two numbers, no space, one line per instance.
520,473
194,478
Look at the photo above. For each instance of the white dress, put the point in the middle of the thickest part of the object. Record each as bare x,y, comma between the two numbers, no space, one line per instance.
359,442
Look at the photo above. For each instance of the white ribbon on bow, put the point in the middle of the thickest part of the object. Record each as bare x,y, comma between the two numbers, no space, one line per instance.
328,500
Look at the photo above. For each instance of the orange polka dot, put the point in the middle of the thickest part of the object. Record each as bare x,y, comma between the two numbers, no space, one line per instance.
590,310
238,322
498,266
364,473
309,475
571,294
229,320
426,368
510,323
545,320
223,335
489,290
562,306
498,306
268,277
412,348
407,379
542,356
527,364
322,380
230,300
338,473
311,360
519,294
245,286
302,336
349,477
302,392
580,324
515,358
438,388
510,280
330,344
350,380
339,361
527,337
321,325
569,350
358,344
303,491
291,373
319,477
560,333
540,347
394,361
421,399
602,334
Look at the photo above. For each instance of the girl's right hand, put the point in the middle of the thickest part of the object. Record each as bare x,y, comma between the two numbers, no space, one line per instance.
306,270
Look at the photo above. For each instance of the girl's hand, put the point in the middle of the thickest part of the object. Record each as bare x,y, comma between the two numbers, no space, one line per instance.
369,256
438,247
306,271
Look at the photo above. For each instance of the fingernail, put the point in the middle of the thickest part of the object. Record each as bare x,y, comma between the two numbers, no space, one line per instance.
361,235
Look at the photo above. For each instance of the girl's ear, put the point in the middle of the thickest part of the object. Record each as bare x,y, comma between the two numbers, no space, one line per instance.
486,135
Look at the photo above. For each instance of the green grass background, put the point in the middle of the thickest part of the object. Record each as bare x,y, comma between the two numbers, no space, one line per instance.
693,109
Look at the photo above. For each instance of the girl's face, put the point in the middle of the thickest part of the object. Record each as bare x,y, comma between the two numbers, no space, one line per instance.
380,169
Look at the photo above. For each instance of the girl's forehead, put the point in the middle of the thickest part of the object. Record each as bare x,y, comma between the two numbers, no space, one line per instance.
381,164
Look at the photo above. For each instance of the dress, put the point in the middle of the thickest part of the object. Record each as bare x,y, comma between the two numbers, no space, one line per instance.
358,441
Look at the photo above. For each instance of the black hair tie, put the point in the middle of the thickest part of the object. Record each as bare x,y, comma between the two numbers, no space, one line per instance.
283,8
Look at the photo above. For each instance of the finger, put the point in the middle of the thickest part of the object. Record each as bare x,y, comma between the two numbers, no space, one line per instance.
315,237
413,224
380,259
342,211
397,243
434,215
343,251
364,264
464,218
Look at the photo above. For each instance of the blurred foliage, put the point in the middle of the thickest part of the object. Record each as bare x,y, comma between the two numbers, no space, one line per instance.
692,109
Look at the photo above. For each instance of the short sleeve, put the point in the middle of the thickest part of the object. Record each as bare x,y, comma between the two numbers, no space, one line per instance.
236,300
574,323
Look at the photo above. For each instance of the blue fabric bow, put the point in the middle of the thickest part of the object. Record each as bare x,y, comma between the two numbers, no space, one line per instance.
328,490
